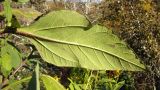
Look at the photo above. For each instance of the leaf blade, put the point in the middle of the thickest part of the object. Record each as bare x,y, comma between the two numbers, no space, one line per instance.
34,83
73,46
14,84
50,83
10,58
8,11
56,19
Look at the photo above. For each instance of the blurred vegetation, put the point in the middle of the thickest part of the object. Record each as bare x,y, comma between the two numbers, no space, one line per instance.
138,23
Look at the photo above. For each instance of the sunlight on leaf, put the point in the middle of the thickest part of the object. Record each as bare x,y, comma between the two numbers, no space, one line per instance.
50,83
67,43
10,58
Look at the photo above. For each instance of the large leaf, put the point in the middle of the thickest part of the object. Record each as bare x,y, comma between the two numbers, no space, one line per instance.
67,43
51,84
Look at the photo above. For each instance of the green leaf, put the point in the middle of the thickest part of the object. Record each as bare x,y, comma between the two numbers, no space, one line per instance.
6,64
15,23
67,43
58,19
15,55
23,16
74,86
71,87
1,79
34,83
119,85
10,58
14,84
8,11
51,84
23,1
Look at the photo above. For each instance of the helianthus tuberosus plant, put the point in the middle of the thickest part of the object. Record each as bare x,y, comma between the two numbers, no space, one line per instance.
66,39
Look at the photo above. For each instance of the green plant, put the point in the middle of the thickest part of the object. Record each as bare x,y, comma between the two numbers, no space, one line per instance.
63,38
94,80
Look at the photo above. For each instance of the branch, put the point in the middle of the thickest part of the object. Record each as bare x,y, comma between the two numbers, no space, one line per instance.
18,68
13,73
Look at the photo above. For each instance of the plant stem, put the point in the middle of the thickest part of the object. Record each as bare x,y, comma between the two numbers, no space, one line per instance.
88,80
4,82
18,68
96,78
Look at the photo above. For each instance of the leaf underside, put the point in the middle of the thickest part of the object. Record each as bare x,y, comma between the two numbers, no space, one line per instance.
65,42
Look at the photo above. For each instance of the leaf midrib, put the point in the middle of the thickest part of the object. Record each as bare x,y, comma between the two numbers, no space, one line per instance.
43,29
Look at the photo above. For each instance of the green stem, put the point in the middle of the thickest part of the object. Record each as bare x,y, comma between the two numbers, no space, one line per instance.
96,78
88,81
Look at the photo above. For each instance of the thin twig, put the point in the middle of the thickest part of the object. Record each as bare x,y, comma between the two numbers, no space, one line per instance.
13,73
18,68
